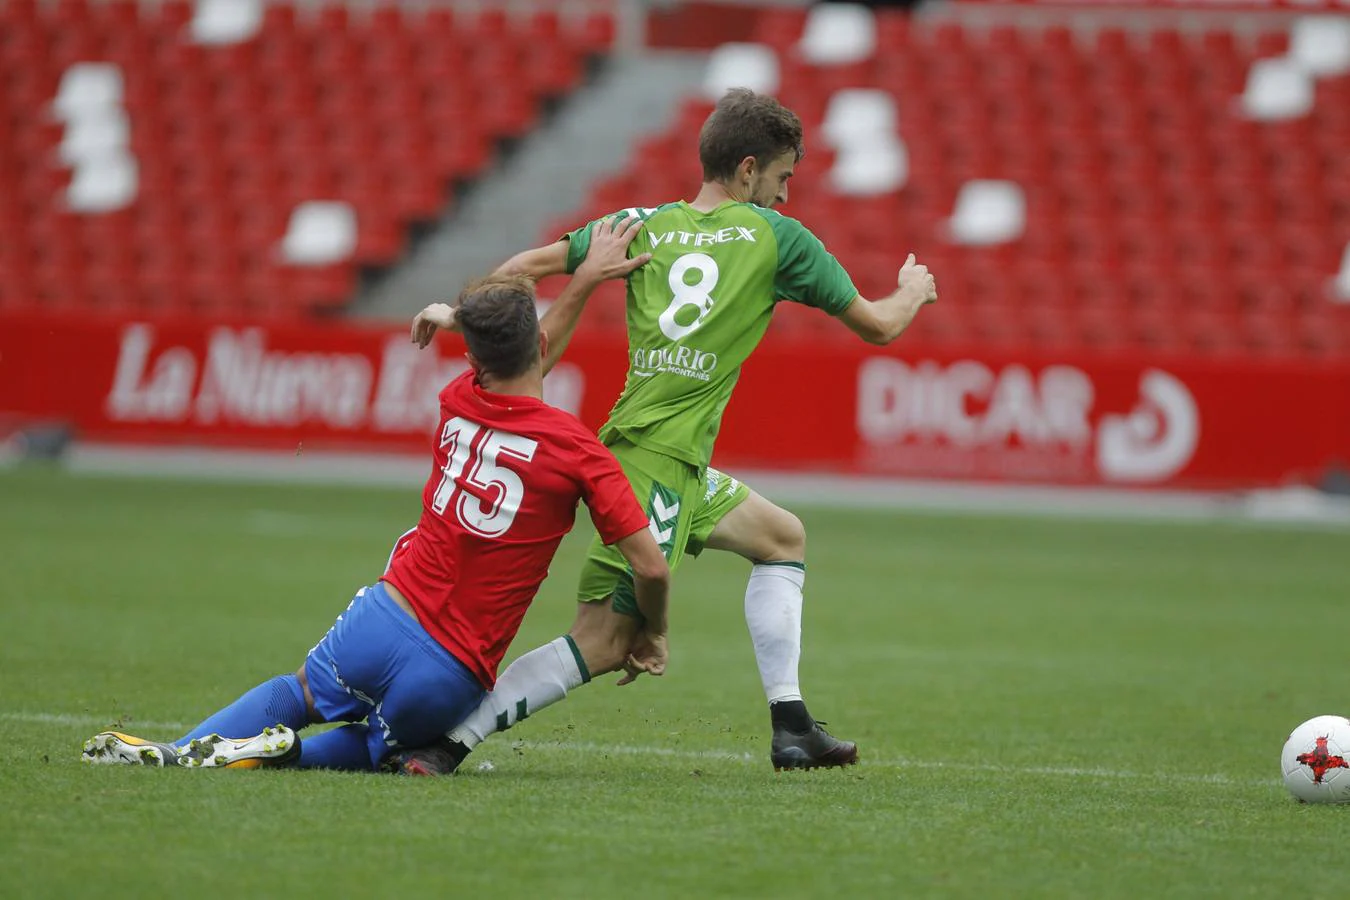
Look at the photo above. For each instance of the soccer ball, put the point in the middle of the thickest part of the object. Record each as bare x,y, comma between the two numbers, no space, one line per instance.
1316,760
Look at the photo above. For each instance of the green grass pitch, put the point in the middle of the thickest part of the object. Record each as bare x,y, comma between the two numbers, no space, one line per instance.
1045,708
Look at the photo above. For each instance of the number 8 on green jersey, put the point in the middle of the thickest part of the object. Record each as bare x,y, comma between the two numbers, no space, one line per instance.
698,309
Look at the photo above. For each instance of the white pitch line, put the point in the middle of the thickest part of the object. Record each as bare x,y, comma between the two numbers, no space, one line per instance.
724,756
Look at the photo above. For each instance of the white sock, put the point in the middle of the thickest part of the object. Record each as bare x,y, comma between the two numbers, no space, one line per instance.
773,612
538,679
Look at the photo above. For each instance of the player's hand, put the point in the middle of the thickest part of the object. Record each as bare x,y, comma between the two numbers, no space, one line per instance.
437,315
608,254
916,284
649,654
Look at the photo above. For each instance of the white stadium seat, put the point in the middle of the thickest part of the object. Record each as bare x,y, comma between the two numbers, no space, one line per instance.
226,21
863,169
88,87
103,184
94,135
1277,89
732,65
988,212
1321,45
95,143
859,114
1341,286
320,232
838,33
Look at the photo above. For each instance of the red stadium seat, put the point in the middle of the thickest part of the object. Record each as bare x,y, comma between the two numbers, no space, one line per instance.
596,35
781,27
166,20
19,13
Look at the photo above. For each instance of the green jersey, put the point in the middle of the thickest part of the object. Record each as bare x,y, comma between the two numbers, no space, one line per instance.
698,309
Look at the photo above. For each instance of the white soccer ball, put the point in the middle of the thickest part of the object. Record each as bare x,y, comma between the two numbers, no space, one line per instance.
1316,760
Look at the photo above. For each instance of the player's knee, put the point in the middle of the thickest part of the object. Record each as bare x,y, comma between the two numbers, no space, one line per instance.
786,537
795,539
313,713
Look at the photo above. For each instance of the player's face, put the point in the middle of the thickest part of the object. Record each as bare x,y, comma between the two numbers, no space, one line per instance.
769,185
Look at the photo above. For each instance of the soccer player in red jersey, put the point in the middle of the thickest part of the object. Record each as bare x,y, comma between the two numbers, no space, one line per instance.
416,652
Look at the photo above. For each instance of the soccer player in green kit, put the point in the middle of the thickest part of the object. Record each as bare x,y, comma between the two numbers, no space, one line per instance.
696,311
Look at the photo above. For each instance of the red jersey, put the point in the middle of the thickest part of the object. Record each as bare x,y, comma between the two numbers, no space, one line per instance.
508,472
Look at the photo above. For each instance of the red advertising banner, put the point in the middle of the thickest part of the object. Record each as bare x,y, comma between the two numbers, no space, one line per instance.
188,381
834,406
1126,421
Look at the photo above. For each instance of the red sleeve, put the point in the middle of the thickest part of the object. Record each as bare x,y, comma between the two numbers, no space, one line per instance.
608,495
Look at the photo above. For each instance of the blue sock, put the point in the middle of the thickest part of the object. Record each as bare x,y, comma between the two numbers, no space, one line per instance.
280,700
346,748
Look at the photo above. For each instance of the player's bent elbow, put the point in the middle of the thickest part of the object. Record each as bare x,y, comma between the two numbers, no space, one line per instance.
878,336
656,571
885,331
864,320
644,556
892,334
873,332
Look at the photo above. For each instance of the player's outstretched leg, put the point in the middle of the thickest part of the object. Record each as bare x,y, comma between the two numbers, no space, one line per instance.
774,540
275,746
279,700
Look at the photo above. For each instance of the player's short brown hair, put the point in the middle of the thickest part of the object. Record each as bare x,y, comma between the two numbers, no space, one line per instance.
746,124
500,324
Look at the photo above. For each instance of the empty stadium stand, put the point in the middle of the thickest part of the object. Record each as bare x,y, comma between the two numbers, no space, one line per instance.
168,179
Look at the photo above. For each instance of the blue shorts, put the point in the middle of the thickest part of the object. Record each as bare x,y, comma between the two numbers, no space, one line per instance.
377,663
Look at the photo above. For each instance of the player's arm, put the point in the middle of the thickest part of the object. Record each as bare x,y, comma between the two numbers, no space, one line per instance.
563,256
606,258
538,263
621,523
651,577
650,650
809,274
882,321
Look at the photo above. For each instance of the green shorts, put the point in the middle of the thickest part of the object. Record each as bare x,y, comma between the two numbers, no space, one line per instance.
683,505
